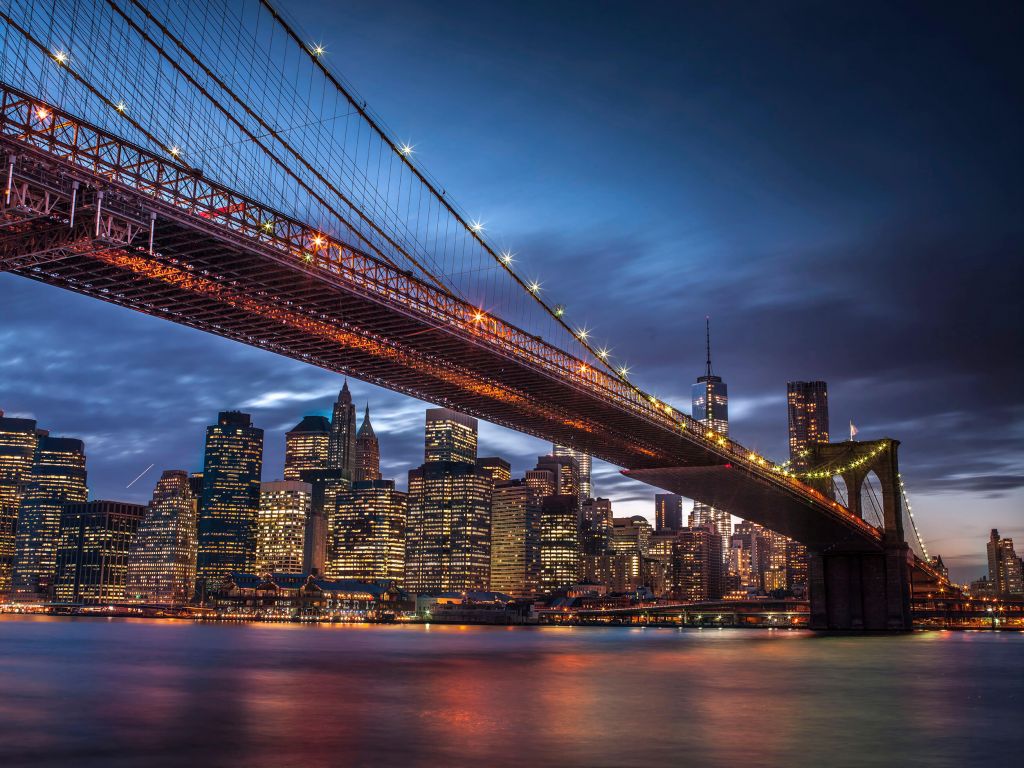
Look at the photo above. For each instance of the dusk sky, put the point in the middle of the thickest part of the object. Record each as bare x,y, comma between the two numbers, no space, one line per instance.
839,187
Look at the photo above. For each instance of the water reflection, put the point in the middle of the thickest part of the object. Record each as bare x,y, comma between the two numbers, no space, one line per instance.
89,692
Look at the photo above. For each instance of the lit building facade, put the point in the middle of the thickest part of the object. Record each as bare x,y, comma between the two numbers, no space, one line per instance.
631,535
696,568
369,533
448,541
668,512
341,449
281,526
559,542
306,446
162,558
566,473
499,470
57,479
17,451
596,524
515,539
92,553
367,451
231,497
584,462
449,436
1004,567
807,403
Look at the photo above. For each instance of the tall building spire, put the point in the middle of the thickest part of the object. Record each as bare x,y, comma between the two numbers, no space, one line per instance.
341,450
707,340
367,464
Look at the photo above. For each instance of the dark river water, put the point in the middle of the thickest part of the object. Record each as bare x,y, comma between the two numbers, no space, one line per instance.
92,692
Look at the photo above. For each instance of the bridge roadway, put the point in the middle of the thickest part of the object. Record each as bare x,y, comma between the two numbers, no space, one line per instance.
92,213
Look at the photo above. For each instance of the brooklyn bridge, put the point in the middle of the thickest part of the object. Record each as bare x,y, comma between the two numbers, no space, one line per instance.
202,163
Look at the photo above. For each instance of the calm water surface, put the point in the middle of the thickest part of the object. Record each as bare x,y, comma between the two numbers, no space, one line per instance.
91,692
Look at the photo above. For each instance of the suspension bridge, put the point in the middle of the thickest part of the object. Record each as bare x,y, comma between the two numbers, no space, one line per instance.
154,158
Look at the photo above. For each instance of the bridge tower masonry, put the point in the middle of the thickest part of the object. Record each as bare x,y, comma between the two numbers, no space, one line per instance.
857,590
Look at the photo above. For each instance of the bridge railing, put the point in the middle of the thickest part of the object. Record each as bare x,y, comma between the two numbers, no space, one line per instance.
59,134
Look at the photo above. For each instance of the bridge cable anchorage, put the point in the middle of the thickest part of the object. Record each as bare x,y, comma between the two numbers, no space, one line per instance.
284,166
474,231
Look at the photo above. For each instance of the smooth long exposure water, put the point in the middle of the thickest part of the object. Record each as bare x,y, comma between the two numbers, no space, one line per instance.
89,692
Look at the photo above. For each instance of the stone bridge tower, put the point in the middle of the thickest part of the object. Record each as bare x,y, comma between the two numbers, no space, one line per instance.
858,590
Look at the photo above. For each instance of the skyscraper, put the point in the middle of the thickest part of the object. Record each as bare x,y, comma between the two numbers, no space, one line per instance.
499,469
367,451
369,533
596,524
1004,567
559,542
57,478
449,436
306,446
566,473
696,567
584,463
448,545
808,417
341,450
231,496
281,526
668,512
710,407
162,557
92,552
515,539
17,450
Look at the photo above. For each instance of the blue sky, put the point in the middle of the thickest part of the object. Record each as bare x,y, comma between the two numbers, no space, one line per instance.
838,187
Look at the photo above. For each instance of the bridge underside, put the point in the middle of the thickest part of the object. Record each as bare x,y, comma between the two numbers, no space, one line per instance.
749,497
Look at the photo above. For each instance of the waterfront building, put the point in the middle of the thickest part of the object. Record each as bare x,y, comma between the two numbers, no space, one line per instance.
281,526
92,551
1004,567
807,403
584,462
559,542
449,436
935,561
57,478
341,449
596,524
369,533
230,503
367,451
619,572
162,557
448,542
696,570
515,539
306,446
499,469
668,512
17,450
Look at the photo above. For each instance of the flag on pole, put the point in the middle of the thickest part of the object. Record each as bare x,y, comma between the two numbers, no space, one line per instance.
853,431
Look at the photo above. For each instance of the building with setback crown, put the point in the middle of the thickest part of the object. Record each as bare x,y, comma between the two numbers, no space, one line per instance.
232,466
17,450
448,542
57,479
369,533
92,552
341,450
162,558
281,526
367,451
306,446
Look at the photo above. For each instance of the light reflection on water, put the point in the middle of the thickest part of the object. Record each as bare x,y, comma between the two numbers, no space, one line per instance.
90,692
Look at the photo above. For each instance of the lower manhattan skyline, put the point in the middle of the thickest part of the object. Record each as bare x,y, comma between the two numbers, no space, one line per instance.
571,383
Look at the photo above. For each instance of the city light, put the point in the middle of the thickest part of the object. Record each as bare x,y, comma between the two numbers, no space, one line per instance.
60,57
506,256
476,226
318,49
406,149
121,106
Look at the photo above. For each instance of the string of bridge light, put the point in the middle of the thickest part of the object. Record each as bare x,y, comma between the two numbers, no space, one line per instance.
832,471
910,513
